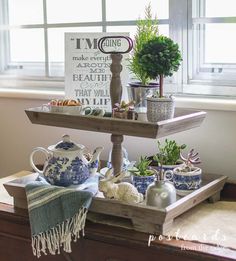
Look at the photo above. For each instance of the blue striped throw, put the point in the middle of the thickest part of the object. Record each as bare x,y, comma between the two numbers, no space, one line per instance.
57,215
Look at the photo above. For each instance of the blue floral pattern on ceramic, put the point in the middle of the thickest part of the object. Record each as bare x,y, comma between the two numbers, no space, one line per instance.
94,164
58,172
142,182
65,145
168,171
126,162
167,174
66,163
187,183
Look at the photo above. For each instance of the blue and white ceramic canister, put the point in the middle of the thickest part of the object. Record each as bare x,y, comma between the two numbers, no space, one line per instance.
66,164
187,182
168,171
142,182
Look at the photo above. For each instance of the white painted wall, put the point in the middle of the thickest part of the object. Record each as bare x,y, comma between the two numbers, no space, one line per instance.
215,139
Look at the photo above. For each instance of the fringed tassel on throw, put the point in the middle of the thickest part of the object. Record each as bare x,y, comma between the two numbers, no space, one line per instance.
60,236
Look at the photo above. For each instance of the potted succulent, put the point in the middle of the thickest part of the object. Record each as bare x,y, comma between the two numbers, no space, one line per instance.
187,177
142,174
159,57
168,156
124,110
147,29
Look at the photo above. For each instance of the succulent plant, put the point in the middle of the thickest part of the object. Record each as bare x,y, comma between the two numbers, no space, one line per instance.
190,160
142,167
168,153
123,106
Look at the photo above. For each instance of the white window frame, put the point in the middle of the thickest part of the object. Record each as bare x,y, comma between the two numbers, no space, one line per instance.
180,30
45,26
181,24
201,71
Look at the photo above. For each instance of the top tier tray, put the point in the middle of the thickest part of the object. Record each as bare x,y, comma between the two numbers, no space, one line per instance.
184,119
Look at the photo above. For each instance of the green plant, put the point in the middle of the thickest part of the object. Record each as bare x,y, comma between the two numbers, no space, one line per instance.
169,153
147,29
159,57
141,168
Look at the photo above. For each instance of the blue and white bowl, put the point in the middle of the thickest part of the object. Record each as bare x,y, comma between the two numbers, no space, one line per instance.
187,182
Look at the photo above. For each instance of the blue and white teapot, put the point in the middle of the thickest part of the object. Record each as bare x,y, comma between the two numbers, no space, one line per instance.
66,164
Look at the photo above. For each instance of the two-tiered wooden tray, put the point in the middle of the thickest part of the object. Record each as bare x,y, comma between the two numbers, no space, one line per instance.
136,216
183,120
133,216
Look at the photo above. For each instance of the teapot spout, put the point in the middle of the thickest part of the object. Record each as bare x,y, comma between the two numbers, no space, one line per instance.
93,163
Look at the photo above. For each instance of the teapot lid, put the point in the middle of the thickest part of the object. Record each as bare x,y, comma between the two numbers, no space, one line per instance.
66,145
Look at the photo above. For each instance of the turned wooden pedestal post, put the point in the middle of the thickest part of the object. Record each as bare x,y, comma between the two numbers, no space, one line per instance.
115,85
116,154
116,93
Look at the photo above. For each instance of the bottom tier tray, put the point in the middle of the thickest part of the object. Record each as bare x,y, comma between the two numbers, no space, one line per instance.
135,216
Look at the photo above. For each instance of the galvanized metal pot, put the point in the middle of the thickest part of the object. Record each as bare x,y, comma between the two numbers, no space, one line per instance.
138,93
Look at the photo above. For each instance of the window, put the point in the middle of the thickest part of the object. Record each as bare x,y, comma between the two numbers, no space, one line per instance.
32,37
34,44
213,28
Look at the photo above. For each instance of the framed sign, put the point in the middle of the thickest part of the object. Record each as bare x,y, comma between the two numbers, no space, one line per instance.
87,70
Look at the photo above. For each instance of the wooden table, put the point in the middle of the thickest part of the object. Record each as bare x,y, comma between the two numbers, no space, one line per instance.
105,243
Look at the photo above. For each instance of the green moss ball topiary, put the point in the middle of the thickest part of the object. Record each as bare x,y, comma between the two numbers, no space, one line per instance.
159,56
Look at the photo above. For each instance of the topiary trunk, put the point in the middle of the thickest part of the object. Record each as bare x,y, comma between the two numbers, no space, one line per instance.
161,78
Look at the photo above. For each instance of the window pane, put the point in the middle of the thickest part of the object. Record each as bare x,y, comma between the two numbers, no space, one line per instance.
56,47
220,8
26,53
132,10
123,29
213,58
25,12
220,43
27,45
163,29
25,69
69,11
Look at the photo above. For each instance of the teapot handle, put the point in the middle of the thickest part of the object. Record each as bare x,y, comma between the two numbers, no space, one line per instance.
32,156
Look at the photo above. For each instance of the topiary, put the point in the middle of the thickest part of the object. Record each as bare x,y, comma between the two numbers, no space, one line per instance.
159,57
147,29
